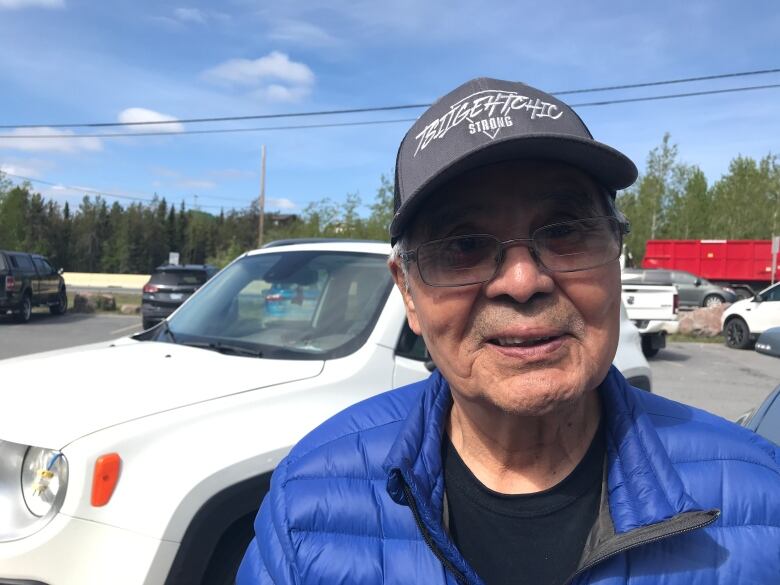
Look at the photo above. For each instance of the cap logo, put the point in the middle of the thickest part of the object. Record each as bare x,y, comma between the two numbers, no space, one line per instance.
486,112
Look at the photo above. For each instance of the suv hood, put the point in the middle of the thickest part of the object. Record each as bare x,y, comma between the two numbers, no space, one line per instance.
51,400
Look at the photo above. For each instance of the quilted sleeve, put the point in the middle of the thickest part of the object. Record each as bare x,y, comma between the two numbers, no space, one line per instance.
268,560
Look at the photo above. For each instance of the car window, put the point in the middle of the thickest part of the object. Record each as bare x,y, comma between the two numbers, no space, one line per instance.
22,261
683,278
304,305
41,266
411,345
770,424
178,277
773,294
3,265
658,277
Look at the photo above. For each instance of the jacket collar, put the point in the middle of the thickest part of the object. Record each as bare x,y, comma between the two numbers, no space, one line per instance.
643,486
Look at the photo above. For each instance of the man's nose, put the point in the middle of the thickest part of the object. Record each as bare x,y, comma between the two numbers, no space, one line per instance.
520,276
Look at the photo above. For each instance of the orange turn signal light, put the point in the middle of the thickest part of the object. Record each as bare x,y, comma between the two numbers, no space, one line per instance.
105,477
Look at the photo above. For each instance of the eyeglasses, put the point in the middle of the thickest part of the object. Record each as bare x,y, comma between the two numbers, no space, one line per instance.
569,246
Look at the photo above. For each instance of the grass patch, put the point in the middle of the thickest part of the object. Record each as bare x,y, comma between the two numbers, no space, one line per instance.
126,299
694,339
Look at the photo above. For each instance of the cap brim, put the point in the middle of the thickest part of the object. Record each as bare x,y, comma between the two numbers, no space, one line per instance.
607,166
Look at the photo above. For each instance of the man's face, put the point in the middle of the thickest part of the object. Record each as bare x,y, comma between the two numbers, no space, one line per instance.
529,339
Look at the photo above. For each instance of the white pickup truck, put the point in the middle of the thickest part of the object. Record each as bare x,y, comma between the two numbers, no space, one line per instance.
653,309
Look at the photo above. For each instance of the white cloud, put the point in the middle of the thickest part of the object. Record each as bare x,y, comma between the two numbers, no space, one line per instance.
131,115
20,4
64,141
275,77
32,168
182,17
280,93
251,72
195,184
190,15
302,33
281,203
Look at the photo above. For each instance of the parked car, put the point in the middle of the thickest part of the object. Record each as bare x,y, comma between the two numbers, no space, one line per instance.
159,477
765,419
745,320
769,342
27,281
284,300
693,290
168,287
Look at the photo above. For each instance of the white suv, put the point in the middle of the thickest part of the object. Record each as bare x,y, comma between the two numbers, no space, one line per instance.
147,461
745,320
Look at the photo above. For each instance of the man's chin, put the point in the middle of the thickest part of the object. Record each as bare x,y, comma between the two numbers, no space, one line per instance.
536,393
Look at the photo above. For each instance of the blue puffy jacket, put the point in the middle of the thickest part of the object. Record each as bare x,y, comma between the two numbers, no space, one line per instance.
688,499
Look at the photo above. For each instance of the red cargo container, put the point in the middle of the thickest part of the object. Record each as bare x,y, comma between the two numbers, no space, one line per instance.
744,265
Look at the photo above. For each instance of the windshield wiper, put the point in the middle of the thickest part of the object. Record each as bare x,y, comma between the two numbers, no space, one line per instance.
226,348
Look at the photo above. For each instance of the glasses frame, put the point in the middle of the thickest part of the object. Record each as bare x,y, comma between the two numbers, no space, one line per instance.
623,228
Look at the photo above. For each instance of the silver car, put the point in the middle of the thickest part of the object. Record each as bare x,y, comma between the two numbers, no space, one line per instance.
693,291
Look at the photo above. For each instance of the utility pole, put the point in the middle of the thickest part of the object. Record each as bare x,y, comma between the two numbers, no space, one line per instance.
261,199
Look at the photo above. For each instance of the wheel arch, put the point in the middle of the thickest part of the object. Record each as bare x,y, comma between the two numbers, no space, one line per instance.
731,318
216,517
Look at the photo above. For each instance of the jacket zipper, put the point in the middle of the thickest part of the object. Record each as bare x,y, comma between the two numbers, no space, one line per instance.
410,501
712,515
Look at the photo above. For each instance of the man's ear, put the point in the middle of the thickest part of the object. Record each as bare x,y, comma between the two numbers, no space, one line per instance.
401,283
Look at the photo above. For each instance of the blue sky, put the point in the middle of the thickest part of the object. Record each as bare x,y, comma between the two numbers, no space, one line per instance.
72,61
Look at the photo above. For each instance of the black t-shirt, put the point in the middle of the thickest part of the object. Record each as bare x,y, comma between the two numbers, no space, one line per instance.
533,539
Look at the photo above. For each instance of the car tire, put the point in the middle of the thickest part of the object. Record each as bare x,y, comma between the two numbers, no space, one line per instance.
61,307
737,334
25,309
647,348
712,301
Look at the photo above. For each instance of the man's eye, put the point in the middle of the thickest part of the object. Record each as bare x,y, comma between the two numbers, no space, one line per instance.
562,231
464,251
464,245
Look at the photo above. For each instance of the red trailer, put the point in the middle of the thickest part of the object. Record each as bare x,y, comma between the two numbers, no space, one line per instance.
744,265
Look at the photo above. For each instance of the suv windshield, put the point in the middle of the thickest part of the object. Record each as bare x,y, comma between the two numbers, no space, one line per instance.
177,277
288,305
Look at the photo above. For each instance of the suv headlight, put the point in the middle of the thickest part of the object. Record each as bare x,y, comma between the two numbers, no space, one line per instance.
32,488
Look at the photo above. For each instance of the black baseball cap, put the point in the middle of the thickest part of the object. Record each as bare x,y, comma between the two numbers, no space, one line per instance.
486,121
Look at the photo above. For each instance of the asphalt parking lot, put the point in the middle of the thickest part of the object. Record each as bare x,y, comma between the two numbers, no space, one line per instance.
711,376
706,375
45,332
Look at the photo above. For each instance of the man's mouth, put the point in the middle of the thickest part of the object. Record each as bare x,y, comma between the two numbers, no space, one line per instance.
523,341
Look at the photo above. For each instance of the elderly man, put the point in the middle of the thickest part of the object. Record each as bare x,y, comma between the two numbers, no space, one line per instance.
526,458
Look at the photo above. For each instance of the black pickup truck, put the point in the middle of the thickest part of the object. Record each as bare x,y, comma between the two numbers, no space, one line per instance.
28,280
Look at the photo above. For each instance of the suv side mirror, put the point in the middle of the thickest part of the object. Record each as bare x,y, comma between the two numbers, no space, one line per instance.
758,299
698,282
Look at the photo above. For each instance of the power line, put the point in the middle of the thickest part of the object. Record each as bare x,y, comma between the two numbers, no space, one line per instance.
213,131
96,192
370,122
671,96
377,108
668,82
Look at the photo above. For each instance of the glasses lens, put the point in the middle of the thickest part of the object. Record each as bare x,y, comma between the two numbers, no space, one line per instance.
458,261
578,245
